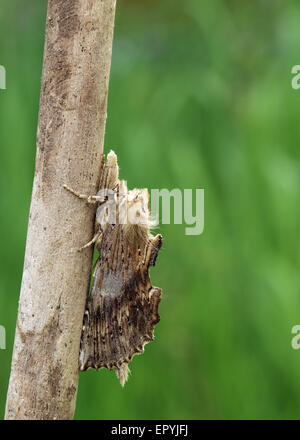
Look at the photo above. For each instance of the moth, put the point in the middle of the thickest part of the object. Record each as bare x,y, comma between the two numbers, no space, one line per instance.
122,309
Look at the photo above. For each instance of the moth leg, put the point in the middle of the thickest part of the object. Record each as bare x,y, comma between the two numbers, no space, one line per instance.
89,199
93,240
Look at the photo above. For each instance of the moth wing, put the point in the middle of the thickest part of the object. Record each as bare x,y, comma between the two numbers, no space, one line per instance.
120,314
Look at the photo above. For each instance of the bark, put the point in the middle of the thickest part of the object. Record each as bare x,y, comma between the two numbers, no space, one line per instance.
77,57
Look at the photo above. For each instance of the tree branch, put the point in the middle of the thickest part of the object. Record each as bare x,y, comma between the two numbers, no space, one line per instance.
77,57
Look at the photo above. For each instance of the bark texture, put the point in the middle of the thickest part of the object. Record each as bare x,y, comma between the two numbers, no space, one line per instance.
77,57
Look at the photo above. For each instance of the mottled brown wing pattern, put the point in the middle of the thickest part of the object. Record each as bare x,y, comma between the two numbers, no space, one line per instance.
122,310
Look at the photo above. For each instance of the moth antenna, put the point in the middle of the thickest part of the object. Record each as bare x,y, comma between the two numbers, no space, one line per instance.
122,373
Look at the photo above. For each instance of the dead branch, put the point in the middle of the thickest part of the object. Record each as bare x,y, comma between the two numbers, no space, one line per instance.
77,57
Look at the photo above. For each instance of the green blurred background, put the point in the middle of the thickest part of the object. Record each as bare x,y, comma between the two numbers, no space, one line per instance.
200,97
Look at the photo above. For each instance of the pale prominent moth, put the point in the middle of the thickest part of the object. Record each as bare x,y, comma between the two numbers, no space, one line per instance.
122,309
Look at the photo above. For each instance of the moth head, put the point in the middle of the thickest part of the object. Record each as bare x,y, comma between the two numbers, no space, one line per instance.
138,219
138,207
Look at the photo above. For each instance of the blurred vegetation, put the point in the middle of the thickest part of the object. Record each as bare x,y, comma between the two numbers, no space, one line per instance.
200,97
